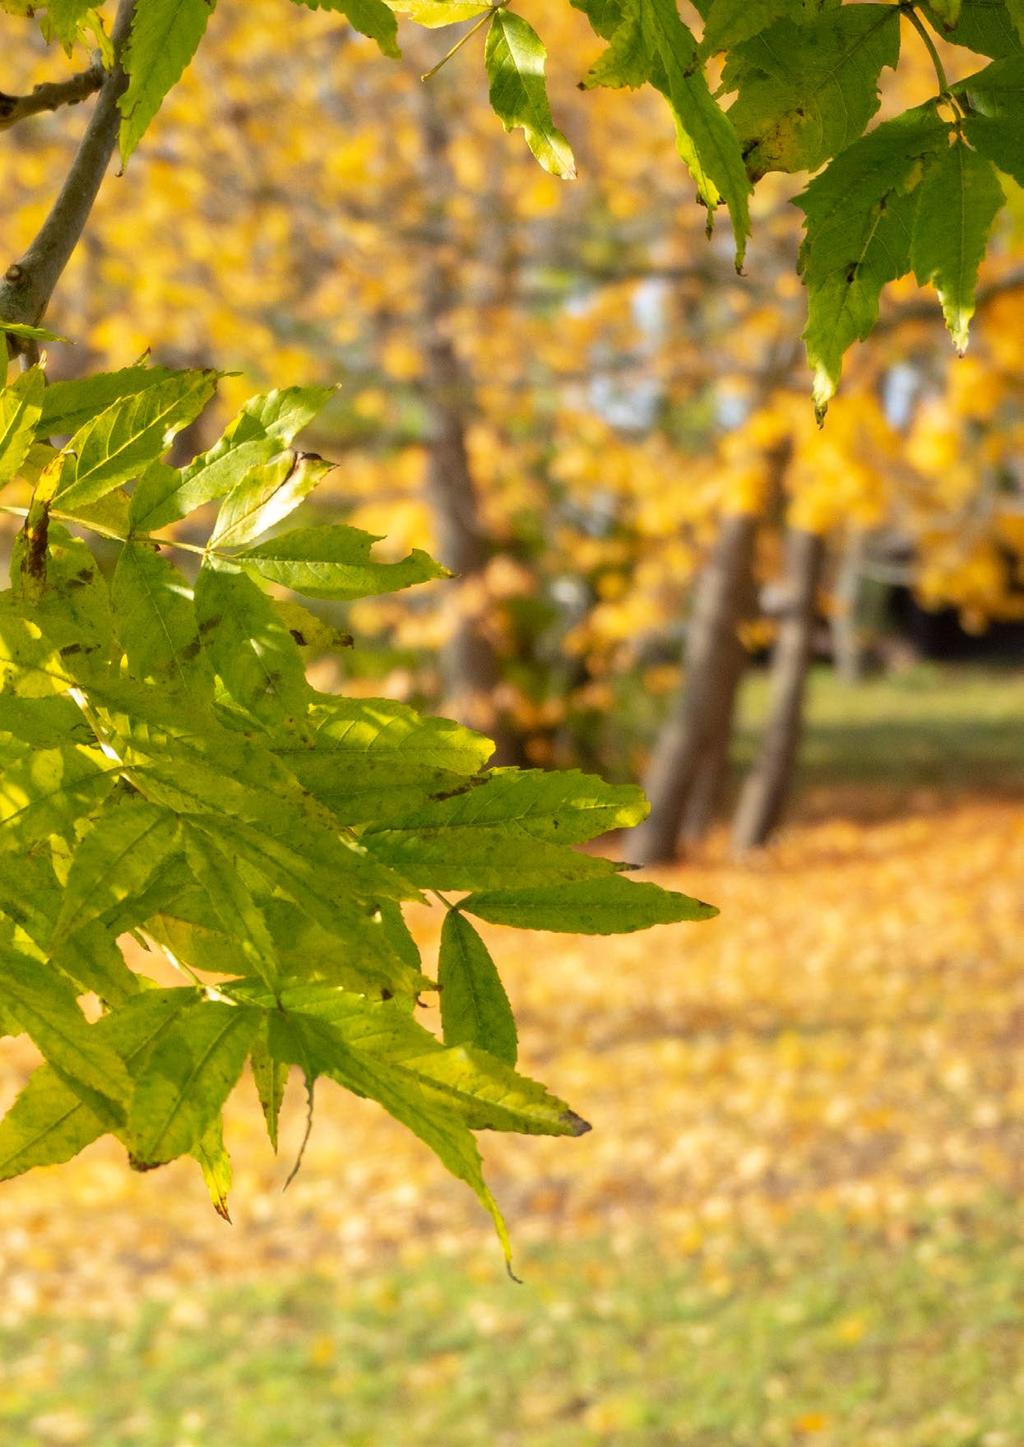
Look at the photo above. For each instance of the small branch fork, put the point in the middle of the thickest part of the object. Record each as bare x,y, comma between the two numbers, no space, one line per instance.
50,96
29,283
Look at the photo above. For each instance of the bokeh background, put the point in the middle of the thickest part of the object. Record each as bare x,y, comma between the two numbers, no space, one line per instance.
798,1216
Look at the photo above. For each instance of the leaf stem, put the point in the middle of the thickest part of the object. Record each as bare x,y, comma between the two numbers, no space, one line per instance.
97,528
81,700
175,543
478,24
940,70
116,537
182,966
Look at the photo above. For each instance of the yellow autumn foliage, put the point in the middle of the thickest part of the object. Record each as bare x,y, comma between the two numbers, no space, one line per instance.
626,390
853,1059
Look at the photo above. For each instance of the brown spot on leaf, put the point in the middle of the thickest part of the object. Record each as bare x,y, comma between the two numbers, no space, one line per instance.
143,1166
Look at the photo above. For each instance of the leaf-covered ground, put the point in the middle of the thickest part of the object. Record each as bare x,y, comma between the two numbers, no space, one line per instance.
796,1220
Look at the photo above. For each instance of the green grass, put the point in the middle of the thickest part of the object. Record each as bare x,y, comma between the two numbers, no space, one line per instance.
836,1336
953,729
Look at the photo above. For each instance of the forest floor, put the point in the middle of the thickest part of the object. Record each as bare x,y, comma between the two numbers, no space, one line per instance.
796,1221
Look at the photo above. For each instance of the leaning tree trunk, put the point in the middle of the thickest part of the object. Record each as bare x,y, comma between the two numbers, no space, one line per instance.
714,662
470,666
709,785
767,787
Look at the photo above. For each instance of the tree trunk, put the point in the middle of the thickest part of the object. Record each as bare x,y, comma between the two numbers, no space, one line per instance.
767,787
708,787
848,652
470,666
702,718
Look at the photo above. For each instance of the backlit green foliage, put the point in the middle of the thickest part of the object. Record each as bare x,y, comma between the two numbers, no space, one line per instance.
798,89
171,778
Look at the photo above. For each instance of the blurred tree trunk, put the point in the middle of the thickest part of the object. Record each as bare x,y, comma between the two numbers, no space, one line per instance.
848,650
695,737
709,786
768,784
691,757
470,666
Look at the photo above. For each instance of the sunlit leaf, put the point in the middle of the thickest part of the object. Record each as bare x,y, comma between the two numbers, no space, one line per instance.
371,17
334,562
185,1080
593,907
474,1006
960,198
165,35
515,59
21,406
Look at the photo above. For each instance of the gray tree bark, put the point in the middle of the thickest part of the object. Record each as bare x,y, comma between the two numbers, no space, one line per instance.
708,788
28,284
768,786
848,651
690,761
701,722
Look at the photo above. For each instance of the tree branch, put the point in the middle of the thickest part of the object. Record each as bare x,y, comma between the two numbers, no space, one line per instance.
50,96
29,283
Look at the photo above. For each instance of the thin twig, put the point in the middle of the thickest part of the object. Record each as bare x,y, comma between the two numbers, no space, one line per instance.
484,19
29,283
50,96
310,1083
